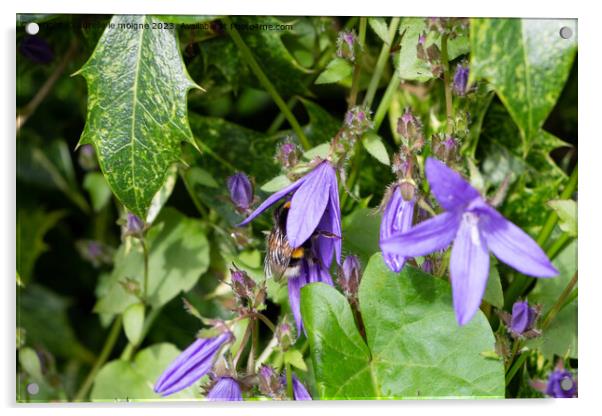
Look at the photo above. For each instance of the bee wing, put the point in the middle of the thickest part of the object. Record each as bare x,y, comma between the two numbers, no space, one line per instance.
278,254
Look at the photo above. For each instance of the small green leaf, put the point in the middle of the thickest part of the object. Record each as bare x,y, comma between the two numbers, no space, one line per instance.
338,69
375,146
30,362
567,214
320,151
275,184
295,358
137,113
493,292
121,380
379,26
100,193
133,322
527,62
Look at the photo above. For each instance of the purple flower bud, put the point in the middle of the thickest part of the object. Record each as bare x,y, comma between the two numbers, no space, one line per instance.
242,285
357,120
349,276
241,191
523,318
287,154
134,225
95,252
397,218
346,44
410,128
270,383
36,50
561,384
427,266
460,85
225,389
285,335
422,39
192,364
299,390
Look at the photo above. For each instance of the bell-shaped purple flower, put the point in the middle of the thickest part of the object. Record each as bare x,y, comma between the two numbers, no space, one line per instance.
397,218
192,364
299,390
314,208
241,191
475,228
225,389
561,384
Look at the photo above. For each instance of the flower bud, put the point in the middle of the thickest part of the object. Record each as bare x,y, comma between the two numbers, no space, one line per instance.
133,225
357,120
242,285
427,266
95,252
241,191
36,50
460,85
522,322
410,128
269,382
87,157
287,154
350,276
407,187
285,335
346,45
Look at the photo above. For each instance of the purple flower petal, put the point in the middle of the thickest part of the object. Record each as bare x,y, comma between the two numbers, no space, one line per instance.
308,204
272,199
396,219
335,213
324,245
469,268
299,390
294,297
192,364
521,317
226,389
450,189
513,246
428,236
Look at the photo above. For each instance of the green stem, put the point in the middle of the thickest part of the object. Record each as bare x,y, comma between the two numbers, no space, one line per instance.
355,172
289,381
254,345
449,108
515,367
290,104
266,83
102,358
357,69
145,255
380,63
267,352
215,156
385,102
558,245
195,200
130,348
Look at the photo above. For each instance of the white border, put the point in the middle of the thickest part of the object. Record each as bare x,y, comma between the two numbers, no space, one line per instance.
590,193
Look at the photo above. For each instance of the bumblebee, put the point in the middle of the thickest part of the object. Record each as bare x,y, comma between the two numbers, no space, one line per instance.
281,260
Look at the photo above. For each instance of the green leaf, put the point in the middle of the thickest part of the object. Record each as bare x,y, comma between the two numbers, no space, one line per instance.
137,113
295,358
100,193
121,380
493,292
527,62
338,69
275,184
560,337
162,194
567,214
361,231
415,348
375,146
320,151
178,256
30,362
379,26
32,226
198,176
133,321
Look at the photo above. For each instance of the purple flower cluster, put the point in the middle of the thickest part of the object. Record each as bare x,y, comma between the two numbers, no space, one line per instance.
475,228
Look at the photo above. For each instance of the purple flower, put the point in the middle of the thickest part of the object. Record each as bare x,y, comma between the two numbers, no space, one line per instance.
133,224
523,318
350,275
226,389
461,80
299,390
561,384
269,383
241,191
287,154
310,272
397,218
427,266
314,207
36,49
475,228
192,364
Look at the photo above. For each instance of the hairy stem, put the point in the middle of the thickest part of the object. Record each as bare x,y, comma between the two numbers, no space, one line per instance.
102,358
357,68
266,83
449,108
